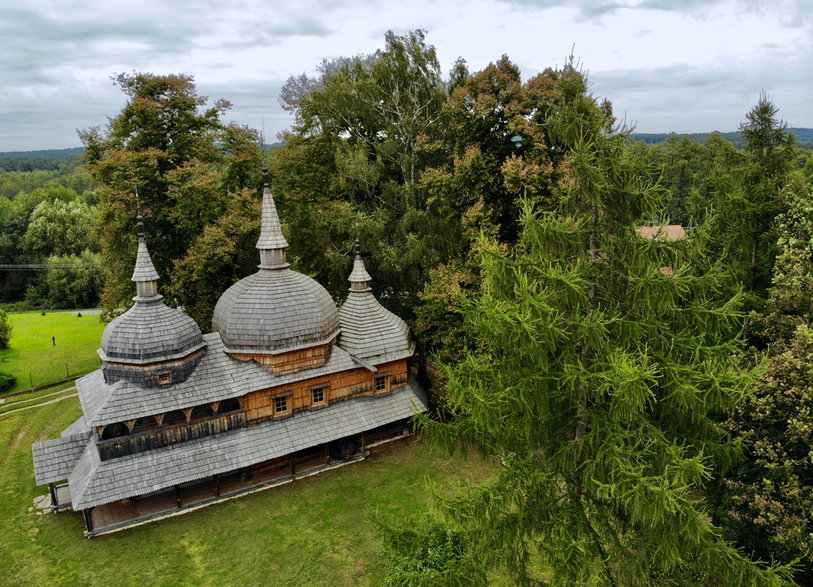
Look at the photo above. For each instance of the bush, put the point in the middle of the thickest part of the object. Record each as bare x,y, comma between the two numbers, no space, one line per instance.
428,552
5,330
7,381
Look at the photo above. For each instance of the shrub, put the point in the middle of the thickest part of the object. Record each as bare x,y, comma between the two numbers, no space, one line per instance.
5,330
7,381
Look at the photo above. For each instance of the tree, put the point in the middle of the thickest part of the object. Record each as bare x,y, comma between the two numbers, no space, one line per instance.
60,228
359,148
169,156
597,378
5,330
770,506
747,211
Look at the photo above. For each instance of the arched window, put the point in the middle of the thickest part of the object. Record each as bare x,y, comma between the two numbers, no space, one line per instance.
228,405
201,412
176,417
144,424
115,430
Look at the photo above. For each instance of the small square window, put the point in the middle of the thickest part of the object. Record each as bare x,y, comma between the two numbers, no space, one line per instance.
281,404
165,379
318,394
380,382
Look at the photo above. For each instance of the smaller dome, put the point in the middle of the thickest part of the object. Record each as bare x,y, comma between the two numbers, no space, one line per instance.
150,332
370,331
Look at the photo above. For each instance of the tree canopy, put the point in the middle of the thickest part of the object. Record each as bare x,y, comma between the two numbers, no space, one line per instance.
170,157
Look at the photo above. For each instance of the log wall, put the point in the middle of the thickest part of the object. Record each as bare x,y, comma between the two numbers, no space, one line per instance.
291,362
260,405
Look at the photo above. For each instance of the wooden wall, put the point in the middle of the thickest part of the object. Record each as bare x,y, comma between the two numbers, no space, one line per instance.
259,405
291,362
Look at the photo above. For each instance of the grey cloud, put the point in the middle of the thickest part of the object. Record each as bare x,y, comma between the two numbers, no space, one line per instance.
688,99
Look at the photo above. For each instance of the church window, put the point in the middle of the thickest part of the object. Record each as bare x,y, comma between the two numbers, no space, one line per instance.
380,382
280,404
318,394
165,379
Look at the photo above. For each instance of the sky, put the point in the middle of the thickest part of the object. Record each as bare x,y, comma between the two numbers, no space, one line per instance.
666,65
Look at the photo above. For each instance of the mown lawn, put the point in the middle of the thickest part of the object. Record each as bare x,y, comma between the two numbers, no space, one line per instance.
33,359
315,531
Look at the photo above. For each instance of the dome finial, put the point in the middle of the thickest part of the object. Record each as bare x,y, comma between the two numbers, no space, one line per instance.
144,273
359,278
272,243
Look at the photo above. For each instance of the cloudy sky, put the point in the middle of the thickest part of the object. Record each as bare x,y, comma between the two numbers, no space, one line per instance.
667,65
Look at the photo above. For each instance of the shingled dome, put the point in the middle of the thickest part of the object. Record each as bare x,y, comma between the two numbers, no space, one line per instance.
370,331
149,331
275,309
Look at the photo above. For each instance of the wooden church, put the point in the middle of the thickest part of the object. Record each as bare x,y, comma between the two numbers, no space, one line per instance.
286,385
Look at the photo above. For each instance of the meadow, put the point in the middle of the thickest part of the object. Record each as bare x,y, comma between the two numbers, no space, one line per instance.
32,356
315,531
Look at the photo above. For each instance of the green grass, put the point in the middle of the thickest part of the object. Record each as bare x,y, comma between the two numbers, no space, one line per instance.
315,531
33,359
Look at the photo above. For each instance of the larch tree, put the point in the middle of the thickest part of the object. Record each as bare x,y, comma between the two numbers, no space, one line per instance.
600,368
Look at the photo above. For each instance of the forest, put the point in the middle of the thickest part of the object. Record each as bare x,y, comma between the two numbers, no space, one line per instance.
650,399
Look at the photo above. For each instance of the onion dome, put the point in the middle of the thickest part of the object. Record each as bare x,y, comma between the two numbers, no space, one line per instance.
149,332
275,309
370,331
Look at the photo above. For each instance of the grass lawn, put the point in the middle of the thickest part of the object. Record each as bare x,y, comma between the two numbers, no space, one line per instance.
315,531
31,356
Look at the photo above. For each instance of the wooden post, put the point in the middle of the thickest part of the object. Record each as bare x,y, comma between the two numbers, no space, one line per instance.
327,454
54,503
362,443
88,519
217,485
178,495
293,468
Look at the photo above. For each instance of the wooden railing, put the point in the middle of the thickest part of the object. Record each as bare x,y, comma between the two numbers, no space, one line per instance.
160,437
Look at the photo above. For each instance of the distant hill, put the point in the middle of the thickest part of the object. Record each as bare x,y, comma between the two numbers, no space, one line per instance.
55,158
32,160
804,136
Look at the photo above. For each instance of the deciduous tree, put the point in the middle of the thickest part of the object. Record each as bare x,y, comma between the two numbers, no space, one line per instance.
169,156
770,510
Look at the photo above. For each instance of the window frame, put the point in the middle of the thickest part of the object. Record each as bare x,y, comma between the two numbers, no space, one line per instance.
321,389
281,399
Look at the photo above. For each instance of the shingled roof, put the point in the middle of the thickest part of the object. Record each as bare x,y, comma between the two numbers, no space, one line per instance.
276,309
370,331
95,482
149,331
216,377
55,459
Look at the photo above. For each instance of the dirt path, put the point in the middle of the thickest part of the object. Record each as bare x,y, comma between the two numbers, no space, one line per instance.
45,403
66,389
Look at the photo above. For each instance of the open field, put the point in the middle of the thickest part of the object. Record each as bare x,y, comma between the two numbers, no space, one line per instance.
315,531
33,359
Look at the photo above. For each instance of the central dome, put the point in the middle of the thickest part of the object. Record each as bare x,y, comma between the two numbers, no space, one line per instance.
275,309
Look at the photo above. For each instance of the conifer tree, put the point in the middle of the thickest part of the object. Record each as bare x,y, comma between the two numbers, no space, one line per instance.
770,511
601,366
